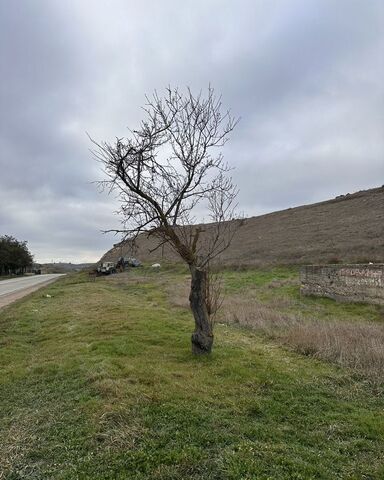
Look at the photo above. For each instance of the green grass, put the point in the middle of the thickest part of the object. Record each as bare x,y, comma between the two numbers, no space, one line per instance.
98,382
274,284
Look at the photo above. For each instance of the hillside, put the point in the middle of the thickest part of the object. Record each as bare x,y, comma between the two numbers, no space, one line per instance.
349,228
63,267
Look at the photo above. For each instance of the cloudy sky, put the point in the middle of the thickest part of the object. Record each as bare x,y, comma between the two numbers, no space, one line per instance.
306,77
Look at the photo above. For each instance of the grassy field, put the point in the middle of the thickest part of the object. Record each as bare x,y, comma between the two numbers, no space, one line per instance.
98,382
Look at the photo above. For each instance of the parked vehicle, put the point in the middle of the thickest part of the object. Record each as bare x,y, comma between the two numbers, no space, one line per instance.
106,268
132,262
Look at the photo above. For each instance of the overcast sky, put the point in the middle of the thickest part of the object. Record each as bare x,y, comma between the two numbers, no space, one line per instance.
306,77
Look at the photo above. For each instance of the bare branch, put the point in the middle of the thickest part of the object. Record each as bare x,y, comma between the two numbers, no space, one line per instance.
163,171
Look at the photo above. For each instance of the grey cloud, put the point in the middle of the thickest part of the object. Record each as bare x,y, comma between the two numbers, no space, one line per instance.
304,75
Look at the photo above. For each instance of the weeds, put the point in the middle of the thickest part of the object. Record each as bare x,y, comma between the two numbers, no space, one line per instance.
359,346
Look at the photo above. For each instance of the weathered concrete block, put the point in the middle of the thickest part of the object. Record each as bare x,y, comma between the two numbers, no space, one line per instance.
347,283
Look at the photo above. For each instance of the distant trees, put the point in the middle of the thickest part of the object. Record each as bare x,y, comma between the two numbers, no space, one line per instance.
167,167
14,256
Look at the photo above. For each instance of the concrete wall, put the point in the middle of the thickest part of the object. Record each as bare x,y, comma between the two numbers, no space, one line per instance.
348,283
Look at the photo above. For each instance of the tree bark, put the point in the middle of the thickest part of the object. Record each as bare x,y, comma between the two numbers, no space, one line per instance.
202,337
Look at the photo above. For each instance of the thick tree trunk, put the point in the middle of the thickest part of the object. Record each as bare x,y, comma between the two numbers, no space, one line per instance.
202,337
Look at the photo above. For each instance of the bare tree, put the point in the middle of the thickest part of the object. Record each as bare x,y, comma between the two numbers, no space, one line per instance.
162,172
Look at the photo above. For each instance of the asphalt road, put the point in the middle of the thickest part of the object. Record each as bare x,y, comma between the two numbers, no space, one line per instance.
15,288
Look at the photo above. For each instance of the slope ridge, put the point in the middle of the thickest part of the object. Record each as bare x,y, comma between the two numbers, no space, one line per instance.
348,228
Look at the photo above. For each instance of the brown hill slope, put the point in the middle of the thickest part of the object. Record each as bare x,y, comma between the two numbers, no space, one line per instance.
349,228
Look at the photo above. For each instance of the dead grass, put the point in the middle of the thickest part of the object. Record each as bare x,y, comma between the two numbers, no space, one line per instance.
15,445
17,442
178,293
251,313
359,346
118,431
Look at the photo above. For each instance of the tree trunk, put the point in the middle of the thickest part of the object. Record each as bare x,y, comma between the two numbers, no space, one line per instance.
202,337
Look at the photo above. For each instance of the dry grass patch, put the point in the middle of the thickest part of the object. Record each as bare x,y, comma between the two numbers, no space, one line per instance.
118,430
177,289
359,346
16,443
252,313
